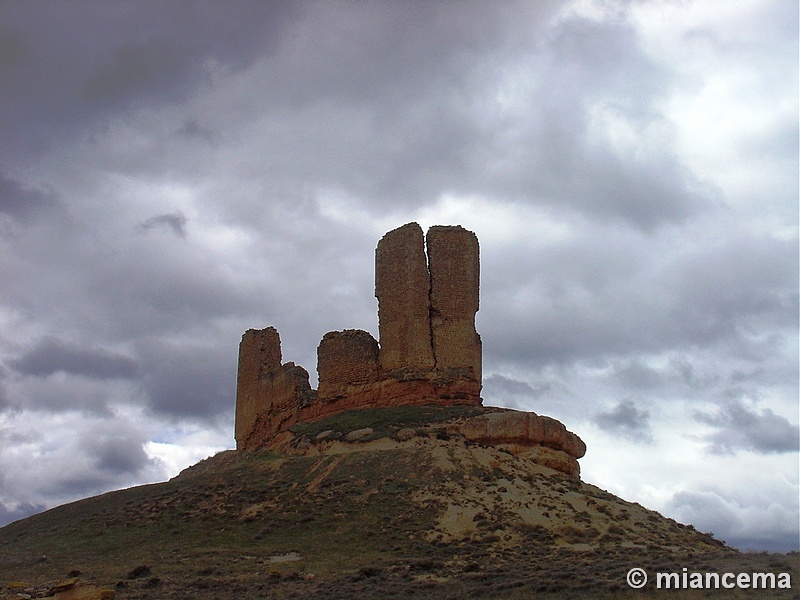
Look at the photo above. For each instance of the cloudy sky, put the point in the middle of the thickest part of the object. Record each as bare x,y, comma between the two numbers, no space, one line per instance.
173,173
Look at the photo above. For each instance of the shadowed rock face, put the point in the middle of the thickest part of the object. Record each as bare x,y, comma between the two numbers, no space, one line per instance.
429,353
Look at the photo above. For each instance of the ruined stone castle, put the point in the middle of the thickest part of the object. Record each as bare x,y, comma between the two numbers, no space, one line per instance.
429,353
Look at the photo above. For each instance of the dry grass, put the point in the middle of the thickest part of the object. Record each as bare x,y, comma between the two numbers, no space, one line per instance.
428,518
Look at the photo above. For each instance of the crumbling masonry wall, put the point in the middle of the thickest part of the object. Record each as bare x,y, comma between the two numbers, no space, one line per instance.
259,354
270,396
347,364
453,256
429,351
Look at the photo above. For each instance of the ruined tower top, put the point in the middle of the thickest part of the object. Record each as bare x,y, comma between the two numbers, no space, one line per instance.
427,306
402,286
429,351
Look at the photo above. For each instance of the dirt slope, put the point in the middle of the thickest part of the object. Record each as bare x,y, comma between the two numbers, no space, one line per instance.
426,517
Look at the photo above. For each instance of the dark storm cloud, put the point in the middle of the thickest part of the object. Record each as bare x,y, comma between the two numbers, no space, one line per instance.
174,221
52,355
500,390
727,288
158,285
741,428
627,420
717,514
135,69
60,396
602,294
79,484
193,129
104,56
25,204
411,92
711,511
500,384
4,403
390,57
423,98
12,47
189,380
117,453
636,374
779,542
555,153
20,511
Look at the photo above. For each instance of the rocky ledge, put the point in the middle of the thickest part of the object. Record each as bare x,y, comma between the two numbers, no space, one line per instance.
539,439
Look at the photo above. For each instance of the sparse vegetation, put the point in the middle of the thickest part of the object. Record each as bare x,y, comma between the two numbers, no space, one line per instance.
386,421
433,519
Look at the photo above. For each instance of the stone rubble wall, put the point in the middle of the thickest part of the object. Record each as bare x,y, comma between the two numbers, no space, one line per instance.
270,396
347,363
259,354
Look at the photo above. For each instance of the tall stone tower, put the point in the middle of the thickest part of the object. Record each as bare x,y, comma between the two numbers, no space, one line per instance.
402,286
427,306
269,395
453,256
429,351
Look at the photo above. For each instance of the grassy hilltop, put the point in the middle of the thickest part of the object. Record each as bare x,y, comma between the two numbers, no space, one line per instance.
427,517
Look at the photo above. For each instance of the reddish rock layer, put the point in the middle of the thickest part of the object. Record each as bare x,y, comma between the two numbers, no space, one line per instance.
542,439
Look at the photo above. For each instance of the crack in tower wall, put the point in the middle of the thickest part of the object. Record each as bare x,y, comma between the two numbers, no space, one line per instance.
454,264
402,286
427,304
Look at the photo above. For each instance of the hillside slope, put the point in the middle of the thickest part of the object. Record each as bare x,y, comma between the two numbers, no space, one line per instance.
425,515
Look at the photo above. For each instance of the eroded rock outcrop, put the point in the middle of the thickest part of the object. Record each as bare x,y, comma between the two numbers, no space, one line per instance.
542,439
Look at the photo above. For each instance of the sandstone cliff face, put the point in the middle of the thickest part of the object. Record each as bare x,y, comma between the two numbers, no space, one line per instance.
542,439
